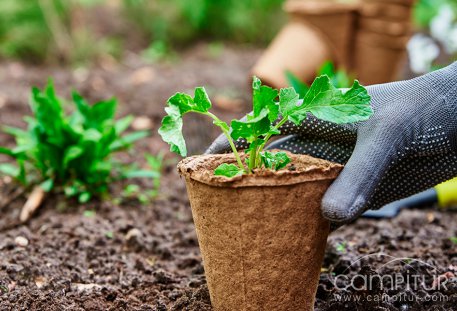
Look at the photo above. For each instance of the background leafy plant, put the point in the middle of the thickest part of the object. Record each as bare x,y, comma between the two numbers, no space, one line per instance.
45,30
425,10
62,30
73,152
179,22
435,44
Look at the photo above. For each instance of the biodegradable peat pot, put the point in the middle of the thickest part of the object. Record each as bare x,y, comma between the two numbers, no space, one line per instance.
262,236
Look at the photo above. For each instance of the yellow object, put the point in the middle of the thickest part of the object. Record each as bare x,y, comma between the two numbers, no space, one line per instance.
447,193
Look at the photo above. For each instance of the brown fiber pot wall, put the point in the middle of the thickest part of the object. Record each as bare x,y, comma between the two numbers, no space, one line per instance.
262,236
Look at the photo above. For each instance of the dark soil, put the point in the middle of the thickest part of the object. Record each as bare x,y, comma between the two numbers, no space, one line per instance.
134,256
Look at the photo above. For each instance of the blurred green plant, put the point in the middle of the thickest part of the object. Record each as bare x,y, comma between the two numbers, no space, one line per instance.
73,152
135,192
425,10
63,30
339,78
180,22
341,247
435,46
52,30
159,51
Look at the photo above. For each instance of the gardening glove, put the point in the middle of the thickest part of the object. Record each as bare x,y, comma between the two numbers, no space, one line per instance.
407,146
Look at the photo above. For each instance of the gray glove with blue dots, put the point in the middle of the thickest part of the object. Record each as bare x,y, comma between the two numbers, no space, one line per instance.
407,146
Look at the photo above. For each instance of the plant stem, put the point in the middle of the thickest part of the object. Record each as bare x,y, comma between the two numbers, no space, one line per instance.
252,159
267,138
229,138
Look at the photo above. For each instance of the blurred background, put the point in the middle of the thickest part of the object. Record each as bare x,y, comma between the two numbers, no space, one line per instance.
84,32
78,32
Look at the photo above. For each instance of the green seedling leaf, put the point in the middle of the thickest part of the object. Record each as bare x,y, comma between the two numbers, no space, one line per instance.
9,170
276,161
288,101
263,98
22,178
71,191
71,154
155,162
84,197
20,151
141,174
47,185
252,128
89,213
6,151
123,124
228,170
339,78
341,247
109,235
201,100
328,103
185,103
171,131
92,135
131,190
454,240
95,116
103,111
178,105
281,160
327,68
128,140
16,132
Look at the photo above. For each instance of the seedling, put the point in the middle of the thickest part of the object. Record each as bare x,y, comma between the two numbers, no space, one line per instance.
73,153
89,213
341,247
453,240
109,235
271,110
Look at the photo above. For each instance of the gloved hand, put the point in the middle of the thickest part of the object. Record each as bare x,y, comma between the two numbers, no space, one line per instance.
407,146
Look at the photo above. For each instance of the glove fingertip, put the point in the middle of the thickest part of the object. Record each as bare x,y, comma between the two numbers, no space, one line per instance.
341,210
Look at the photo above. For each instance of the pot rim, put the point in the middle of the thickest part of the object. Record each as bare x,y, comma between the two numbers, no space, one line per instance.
308,169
